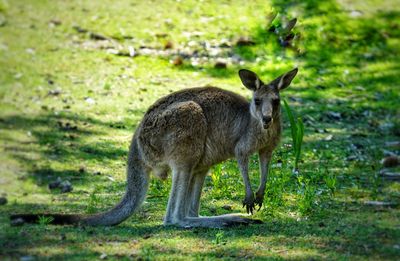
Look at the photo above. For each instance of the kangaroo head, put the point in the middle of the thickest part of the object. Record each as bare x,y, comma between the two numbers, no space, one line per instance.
265,104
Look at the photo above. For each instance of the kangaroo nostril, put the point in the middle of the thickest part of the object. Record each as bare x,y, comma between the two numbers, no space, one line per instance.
267,119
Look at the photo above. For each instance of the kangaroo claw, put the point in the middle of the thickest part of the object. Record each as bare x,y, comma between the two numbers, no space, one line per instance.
249,202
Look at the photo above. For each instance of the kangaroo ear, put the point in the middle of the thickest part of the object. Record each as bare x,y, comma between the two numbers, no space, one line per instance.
284,80
250,80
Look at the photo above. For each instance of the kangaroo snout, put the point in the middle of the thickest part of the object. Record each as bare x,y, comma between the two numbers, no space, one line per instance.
267,120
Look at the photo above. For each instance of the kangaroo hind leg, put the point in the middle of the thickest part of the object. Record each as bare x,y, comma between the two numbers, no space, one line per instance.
196,186
178,198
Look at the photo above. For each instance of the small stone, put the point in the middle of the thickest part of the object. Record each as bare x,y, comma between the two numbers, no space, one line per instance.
220,65
98,37
132,51
17,222
103,256
391,161
355,13
245,41
391,176
177,61
79,29
3,201
321,130
227,207
379,203
55,92
66,187
388,153
334,115
352,158
168,45
55,184
90,100
393,144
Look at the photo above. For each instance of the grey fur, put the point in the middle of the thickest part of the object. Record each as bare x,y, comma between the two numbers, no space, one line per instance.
191,130
188,132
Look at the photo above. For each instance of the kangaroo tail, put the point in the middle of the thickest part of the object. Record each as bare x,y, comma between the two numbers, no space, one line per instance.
136,189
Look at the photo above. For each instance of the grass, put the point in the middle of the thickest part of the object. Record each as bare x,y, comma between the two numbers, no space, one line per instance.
297,131
69,106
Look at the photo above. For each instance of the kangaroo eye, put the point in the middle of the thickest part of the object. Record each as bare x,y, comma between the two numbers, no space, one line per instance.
257,102
275,102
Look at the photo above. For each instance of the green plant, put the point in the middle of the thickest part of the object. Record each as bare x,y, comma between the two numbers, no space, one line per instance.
297,130
43,220
376,183
147,252
274,194
220,184
219,238
307,192
330,181
94,200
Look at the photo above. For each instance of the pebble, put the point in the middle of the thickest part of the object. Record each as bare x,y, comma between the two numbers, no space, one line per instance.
391,161
66,186
26,258
3,201
55,184
17,222
227,207
220,65
380,203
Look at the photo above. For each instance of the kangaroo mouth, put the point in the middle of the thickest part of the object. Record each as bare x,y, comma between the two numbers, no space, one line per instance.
266,125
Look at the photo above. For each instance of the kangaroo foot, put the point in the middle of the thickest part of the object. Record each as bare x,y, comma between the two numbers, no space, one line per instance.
223,221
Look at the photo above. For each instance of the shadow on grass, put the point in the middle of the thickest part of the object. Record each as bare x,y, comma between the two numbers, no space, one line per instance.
344,47
61,139
324,236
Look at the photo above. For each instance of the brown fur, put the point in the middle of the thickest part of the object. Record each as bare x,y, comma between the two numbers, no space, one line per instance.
188,132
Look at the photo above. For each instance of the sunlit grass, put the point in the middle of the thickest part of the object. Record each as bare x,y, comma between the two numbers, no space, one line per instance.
348,64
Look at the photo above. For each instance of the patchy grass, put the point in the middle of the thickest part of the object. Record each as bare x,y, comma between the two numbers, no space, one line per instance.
70,103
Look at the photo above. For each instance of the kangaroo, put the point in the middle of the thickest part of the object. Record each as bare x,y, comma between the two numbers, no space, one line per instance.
188,132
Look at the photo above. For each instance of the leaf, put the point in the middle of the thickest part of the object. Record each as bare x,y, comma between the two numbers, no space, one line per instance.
293,126
297,130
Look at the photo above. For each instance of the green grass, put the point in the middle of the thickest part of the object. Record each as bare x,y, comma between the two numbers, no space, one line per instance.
348,58
297,131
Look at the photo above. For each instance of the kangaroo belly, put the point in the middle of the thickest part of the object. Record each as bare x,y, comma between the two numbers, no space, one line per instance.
216,151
